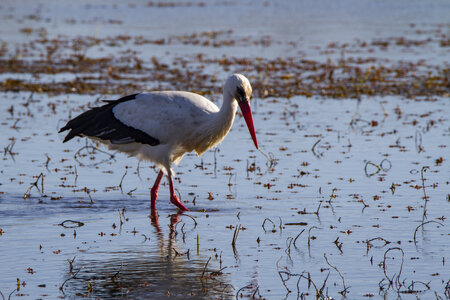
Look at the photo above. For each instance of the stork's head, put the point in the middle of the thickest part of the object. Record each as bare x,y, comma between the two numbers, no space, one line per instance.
240,89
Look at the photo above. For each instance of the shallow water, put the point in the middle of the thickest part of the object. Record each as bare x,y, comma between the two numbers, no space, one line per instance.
242,197
350,173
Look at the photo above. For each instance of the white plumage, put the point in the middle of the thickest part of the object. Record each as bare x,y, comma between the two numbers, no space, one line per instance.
163,126
180,123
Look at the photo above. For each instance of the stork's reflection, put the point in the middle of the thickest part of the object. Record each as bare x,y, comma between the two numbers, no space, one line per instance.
158,268
174,220
170,251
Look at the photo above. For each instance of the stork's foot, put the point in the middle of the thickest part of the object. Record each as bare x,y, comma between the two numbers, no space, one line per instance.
174,199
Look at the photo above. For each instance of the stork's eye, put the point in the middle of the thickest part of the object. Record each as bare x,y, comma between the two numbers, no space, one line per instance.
240,94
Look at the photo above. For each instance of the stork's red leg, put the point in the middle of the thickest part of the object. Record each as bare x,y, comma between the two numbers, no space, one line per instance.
154,190
173,198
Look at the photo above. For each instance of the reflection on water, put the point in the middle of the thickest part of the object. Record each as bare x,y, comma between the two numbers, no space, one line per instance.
147,272
144,275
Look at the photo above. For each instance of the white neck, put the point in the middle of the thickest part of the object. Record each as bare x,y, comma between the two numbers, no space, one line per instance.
228,110
220,124
225,117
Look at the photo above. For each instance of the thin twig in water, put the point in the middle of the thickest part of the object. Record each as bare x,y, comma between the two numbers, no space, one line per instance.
318,208
204,269
320,293
237,294
284,280
113,278
392,188
384,110
61,288
332,196
218,272
257,291
229,180
344,291
34,184
310,281
338,245
391,281
145,237
318,155
10,294
8,150
72,224
411,288
138,170
289,241
76,174
215,158
131,191
417,228
201,166
121,181
120,221
309,237
273,224
447,289
195,222
70,261
385,168
372,164
418,141
48,160
87,191
271,160
424,216
369,245
298,237
235,235
87,147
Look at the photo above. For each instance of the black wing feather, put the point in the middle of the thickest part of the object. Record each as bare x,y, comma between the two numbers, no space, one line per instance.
101,123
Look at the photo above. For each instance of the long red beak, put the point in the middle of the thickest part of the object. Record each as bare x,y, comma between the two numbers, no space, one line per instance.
247,113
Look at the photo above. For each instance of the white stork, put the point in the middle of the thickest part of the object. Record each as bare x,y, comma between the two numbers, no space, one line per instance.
162,126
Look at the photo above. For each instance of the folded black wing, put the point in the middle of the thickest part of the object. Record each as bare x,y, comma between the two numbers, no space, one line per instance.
100,122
